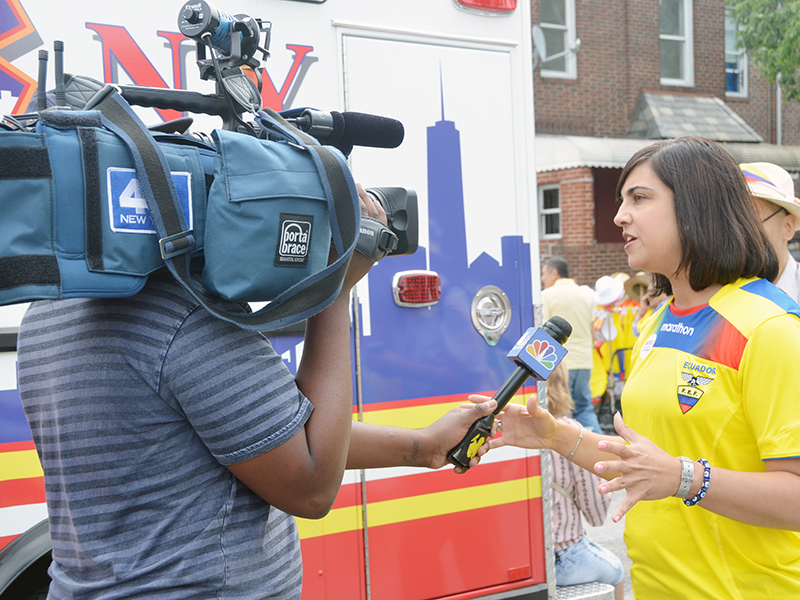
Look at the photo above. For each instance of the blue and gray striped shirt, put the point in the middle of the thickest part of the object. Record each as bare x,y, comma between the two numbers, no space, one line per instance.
136,405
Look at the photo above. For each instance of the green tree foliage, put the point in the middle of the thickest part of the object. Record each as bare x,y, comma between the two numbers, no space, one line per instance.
770,31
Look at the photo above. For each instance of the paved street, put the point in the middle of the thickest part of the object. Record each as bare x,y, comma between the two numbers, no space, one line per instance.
609,535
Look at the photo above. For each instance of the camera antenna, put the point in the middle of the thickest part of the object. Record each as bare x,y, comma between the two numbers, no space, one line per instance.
58,52
41,90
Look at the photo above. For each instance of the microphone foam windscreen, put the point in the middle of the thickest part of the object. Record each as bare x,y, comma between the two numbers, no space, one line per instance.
361,129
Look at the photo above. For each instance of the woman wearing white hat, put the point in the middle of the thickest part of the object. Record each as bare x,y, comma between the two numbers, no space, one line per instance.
773,189
714,378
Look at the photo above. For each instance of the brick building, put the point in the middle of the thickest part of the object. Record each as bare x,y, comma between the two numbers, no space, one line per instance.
620,73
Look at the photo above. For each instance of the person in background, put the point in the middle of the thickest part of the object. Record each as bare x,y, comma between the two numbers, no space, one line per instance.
607,322
578,559
636,287
773,190
565,298
710,456
651,303
610,332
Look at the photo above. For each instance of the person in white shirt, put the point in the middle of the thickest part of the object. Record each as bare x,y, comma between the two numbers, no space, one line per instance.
773,190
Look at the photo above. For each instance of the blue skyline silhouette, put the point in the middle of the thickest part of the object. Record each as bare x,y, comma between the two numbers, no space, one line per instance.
423,352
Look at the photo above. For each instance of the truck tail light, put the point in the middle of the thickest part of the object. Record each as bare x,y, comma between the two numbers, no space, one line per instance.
496,7
416,289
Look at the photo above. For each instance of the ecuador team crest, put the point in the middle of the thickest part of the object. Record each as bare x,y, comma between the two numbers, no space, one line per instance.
690,393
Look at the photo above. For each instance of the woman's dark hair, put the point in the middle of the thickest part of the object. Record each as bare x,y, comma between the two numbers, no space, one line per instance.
720,232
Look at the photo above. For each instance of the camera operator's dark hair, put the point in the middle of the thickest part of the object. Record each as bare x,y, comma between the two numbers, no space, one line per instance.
720,232
559,264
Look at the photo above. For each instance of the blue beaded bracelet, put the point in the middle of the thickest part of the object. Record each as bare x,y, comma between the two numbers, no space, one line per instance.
704,486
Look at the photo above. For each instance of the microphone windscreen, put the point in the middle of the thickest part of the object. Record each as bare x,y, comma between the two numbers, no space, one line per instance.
338,129
559,328
361,129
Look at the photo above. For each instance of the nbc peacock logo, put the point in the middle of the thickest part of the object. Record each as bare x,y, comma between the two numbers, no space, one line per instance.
544,352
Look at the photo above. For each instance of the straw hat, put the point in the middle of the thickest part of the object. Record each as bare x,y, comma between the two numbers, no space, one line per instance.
773,184
623,277
608,290
637,285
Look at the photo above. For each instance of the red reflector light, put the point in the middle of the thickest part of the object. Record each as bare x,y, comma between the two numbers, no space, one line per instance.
493,6
416,288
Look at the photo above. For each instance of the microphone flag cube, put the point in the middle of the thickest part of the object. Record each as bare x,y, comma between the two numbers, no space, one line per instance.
538,352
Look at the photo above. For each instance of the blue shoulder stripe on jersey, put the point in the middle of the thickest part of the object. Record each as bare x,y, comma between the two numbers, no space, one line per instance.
763,288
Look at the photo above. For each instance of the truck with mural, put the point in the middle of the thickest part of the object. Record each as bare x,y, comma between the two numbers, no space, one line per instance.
428,328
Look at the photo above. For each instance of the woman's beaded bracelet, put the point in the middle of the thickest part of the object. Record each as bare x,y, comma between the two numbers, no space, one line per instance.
704,486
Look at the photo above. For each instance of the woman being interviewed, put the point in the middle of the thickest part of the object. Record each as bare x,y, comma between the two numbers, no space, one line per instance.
714,378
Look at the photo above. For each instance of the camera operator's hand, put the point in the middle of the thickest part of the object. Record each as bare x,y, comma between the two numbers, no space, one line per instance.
359,264
369,207
373,446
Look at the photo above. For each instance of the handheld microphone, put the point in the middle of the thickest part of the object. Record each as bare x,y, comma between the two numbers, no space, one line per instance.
537,353
348,129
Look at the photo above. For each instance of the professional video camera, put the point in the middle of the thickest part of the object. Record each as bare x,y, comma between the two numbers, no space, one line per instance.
226,54
261,200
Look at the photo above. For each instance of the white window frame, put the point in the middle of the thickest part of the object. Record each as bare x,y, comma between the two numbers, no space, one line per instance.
741,63
688,47
545,212
571,63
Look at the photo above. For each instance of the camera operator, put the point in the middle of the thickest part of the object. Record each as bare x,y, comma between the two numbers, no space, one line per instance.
176,447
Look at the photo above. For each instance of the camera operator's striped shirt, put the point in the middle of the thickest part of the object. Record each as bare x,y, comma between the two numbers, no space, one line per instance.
135,406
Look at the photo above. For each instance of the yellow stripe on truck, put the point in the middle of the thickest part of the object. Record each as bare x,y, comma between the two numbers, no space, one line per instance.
339,520
419,416
410,417
22,464
423,506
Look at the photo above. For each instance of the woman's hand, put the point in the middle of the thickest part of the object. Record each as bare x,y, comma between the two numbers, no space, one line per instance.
531,427
646,471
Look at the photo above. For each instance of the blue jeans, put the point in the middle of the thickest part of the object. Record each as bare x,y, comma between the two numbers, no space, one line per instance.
581,394
584,562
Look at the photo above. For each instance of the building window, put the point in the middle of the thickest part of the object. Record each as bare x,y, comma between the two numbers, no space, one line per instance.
550,211
677,58
558,26
735,60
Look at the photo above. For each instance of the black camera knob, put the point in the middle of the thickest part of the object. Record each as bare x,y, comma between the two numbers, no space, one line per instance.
191,15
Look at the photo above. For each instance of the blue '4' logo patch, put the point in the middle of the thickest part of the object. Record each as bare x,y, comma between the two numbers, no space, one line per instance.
127,207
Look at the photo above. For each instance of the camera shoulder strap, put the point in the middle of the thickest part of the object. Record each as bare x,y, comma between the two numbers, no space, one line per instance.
177,242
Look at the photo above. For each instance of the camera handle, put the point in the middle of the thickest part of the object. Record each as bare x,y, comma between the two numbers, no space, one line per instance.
210,104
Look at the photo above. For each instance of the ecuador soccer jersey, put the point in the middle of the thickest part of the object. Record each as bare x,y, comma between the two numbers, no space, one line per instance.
718,382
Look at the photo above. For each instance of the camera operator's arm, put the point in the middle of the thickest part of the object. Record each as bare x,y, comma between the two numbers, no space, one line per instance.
303,475
373,446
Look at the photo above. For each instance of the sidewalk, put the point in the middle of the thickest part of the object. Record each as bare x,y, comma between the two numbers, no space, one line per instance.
609,535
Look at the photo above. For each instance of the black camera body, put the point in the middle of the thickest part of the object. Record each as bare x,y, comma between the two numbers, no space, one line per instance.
402,216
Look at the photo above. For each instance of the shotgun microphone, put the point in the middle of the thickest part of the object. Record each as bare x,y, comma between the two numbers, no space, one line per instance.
348,129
